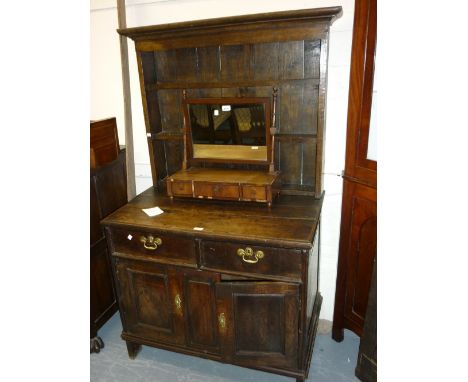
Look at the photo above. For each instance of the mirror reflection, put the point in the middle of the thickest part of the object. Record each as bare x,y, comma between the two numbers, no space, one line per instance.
229,124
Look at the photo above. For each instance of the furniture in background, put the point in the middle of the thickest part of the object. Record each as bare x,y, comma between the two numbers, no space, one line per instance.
108,192
228,280
358,236
104,142
366,368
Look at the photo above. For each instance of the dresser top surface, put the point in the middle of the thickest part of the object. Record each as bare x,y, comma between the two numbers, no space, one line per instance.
290,222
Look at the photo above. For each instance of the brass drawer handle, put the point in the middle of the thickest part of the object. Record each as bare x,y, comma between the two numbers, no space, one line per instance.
248,252
150,242
178,302
222,320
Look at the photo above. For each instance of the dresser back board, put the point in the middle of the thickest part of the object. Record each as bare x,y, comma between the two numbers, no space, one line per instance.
242,56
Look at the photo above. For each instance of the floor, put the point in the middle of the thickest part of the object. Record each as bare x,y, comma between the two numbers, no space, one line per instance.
331,362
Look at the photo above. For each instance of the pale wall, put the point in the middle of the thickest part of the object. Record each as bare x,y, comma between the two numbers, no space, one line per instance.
107,99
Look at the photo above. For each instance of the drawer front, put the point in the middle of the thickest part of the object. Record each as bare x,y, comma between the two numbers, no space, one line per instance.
254,193
216,191
251,260
203,189
181,188
165,248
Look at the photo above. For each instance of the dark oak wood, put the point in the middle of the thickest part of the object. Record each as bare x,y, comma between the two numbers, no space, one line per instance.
358,236
290,223
245,56
228,280
261,321
224,184
107,193
205,270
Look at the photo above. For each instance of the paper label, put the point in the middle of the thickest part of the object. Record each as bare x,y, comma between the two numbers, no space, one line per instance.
254,147
226,107
198,228
216,112
154,211
129,237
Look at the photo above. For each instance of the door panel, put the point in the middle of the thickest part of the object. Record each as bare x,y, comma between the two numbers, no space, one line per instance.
200,305
150,297
359,247
258,322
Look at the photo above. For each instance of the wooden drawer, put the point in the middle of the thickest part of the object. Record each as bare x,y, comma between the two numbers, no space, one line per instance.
181,188
251,260
216,190
171,250
257,193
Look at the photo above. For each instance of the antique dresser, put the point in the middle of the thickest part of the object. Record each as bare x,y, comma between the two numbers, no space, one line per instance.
226,275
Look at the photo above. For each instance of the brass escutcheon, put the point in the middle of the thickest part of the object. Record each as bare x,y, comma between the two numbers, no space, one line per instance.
150,242
222,320
248,253
178,302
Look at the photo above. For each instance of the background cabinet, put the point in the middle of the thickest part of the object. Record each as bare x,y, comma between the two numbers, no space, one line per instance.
108,192
358,236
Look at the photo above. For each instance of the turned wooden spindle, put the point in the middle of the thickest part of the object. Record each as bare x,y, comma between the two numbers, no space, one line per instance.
184,132
273,131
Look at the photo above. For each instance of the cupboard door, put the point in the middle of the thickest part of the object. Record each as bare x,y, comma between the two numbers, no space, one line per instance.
200,305
358,248
258,323
150,301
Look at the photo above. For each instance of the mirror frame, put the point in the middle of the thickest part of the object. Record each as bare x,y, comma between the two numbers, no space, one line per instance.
188,142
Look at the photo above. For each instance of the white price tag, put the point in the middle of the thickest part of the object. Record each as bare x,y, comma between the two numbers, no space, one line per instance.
226,107
129,237
198,228
155,211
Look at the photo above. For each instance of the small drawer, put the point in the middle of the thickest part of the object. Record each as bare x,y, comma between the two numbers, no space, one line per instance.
257,193
181,188
246,259
165,248
216,190
203,189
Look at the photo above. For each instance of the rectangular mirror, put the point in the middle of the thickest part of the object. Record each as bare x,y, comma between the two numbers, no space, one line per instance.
228,129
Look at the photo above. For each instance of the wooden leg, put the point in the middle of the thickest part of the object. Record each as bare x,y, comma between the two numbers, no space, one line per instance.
337,333
96,344
133,349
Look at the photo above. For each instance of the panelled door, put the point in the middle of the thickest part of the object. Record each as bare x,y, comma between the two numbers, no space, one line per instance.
151,300
258,322
200,307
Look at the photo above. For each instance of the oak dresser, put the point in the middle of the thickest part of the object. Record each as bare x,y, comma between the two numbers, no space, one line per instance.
229,280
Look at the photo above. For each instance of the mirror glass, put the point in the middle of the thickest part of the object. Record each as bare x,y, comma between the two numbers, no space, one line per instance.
233,129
